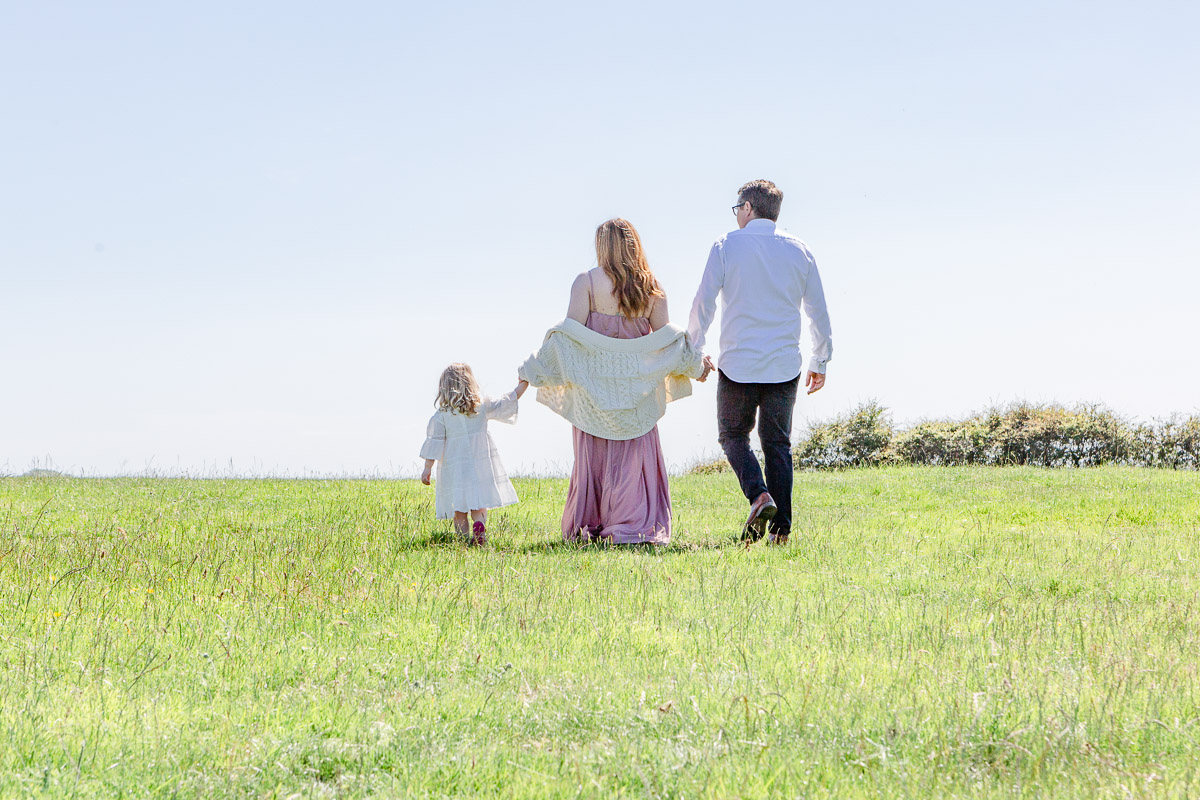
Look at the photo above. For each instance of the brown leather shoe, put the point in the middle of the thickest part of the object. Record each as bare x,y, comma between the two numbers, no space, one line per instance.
761,511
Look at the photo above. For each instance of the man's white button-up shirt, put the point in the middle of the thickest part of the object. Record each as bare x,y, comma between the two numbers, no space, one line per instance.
765,277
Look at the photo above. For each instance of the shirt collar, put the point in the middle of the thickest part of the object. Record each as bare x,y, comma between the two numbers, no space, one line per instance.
760,225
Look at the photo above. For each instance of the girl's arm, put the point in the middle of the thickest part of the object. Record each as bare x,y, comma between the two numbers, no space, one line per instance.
428,471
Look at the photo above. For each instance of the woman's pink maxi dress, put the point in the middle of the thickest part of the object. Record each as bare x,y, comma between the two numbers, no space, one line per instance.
618,489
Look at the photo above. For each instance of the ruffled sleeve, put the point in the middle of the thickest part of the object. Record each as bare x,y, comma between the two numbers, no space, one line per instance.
435,438
502,409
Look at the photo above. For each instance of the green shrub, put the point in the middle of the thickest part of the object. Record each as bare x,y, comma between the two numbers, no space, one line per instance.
715,466
1172,443
1053,436
941,443
1018,434
857,439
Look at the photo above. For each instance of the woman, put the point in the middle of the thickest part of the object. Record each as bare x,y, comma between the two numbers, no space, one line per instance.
618,489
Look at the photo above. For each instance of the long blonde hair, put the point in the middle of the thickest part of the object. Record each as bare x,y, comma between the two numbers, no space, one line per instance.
458,390
620,254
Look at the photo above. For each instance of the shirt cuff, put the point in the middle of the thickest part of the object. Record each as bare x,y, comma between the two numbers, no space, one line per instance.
817,367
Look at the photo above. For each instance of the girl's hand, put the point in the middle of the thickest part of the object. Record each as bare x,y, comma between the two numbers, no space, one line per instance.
425,477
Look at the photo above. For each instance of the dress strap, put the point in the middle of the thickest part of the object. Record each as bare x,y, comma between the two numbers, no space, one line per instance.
591,293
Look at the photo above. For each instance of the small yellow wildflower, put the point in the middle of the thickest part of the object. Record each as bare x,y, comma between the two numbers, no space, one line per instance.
58,613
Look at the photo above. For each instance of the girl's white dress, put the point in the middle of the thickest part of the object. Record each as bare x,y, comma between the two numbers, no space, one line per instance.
469,473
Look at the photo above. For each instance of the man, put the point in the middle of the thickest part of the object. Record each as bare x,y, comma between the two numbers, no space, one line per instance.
765,277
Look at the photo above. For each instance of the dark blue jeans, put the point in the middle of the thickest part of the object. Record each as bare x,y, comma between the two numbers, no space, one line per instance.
772,403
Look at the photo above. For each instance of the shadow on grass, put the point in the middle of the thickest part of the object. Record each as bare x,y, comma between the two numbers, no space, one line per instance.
672,549
498,542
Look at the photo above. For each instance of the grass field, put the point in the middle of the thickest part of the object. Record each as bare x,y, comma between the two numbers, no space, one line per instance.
935,633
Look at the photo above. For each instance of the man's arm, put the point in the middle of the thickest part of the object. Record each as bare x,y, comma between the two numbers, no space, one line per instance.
704,307
818,327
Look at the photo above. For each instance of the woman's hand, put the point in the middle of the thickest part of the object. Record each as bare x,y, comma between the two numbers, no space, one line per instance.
709,366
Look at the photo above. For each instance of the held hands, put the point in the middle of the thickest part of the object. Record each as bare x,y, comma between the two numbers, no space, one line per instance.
814,381
709,366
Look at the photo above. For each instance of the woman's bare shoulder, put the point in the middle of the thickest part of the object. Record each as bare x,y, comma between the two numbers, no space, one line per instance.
581,286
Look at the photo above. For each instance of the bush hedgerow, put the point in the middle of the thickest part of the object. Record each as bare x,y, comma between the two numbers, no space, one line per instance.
1018,434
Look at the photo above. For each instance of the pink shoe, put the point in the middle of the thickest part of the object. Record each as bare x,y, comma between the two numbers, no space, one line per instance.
478,534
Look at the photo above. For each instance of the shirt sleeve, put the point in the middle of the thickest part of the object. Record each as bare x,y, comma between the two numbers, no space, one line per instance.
704,307
818,321
435,438
502,409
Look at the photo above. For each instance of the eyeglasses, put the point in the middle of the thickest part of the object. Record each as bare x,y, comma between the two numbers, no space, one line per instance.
739,205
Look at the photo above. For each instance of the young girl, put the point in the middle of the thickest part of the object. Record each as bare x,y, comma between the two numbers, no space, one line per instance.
470,477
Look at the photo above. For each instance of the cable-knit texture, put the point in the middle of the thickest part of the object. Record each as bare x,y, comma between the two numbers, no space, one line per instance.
612,388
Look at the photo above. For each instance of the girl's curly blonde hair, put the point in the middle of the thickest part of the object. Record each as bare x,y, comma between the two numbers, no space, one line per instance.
458,390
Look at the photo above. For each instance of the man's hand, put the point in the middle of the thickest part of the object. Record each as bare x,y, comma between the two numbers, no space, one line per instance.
709,366
814,381
425,476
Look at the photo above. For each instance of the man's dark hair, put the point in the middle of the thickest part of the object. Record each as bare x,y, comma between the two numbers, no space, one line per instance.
764,197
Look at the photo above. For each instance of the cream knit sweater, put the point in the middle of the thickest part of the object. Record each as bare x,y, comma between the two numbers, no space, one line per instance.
612,388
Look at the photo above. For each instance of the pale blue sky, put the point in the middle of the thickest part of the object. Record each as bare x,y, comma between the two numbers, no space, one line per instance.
254,234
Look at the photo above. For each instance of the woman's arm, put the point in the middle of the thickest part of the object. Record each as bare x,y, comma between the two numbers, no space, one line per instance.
522,385
579,305
658,313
